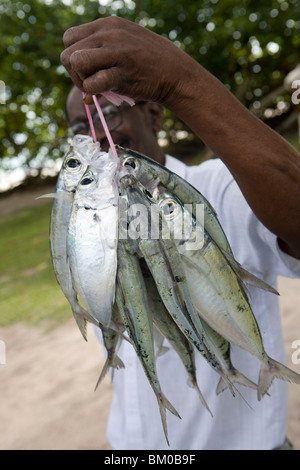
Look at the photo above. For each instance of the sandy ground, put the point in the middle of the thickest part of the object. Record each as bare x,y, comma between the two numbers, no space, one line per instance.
47,384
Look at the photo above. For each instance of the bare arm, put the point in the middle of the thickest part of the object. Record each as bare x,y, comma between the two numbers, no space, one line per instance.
115,54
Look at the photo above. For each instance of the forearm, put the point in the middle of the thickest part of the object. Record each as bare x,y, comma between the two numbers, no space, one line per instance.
265,166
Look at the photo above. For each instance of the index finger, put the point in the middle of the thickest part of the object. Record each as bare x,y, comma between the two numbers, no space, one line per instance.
77,33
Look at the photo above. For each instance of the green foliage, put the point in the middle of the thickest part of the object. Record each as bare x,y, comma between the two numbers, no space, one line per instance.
249,45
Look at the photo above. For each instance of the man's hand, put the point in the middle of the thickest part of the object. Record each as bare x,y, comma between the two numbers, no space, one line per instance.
119,55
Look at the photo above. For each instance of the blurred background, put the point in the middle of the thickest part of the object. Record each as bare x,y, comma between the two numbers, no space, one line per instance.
252,46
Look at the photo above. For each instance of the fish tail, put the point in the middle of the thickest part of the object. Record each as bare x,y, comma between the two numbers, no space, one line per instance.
229,382
81,323
235,377
106,366
116,363
195,385
164,404
246,276
82,316
162,350
271,369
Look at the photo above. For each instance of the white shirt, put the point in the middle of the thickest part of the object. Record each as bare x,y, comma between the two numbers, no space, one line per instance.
134,421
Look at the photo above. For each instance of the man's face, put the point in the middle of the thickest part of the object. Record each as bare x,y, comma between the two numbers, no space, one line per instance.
133,128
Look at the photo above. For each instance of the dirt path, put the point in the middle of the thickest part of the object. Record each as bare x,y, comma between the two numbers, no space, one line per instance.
47,390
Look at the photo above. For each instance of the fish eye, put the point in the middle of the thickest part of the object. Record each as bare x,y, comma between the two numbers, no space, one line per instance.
147,193
72,163
169,207
131,162
86,181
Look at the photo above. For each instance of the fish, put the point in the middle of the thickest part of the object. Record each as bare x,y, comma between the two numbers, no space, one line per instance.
131,299
169,330
73,167
111,341
150,174
93,237
159,340
222,301
214,348
219,296
156,255
164,263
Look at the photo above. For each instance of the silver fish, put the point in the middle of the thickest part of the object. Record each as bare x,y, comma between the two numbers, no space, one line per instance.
215,348
219,296
150,174
147,171
93,236
171,332
73,167
221,300
131,299
165,265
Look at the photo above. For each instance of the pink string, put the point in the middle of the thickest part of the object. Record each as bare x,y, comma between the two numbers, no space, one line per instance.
106,130
88,112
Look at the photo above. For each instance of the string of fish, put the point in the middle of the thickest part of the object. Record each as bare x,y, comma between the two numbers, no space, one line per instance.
196,295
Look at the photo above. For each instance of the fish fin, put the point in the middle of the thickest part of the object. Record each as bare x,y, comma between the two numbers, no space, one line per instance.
228,383
82,317
162,350
118,330
271,370
246,276
104,371
222,385
46,195
236,377
81,323
193,384
116,363
58,195
164,404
